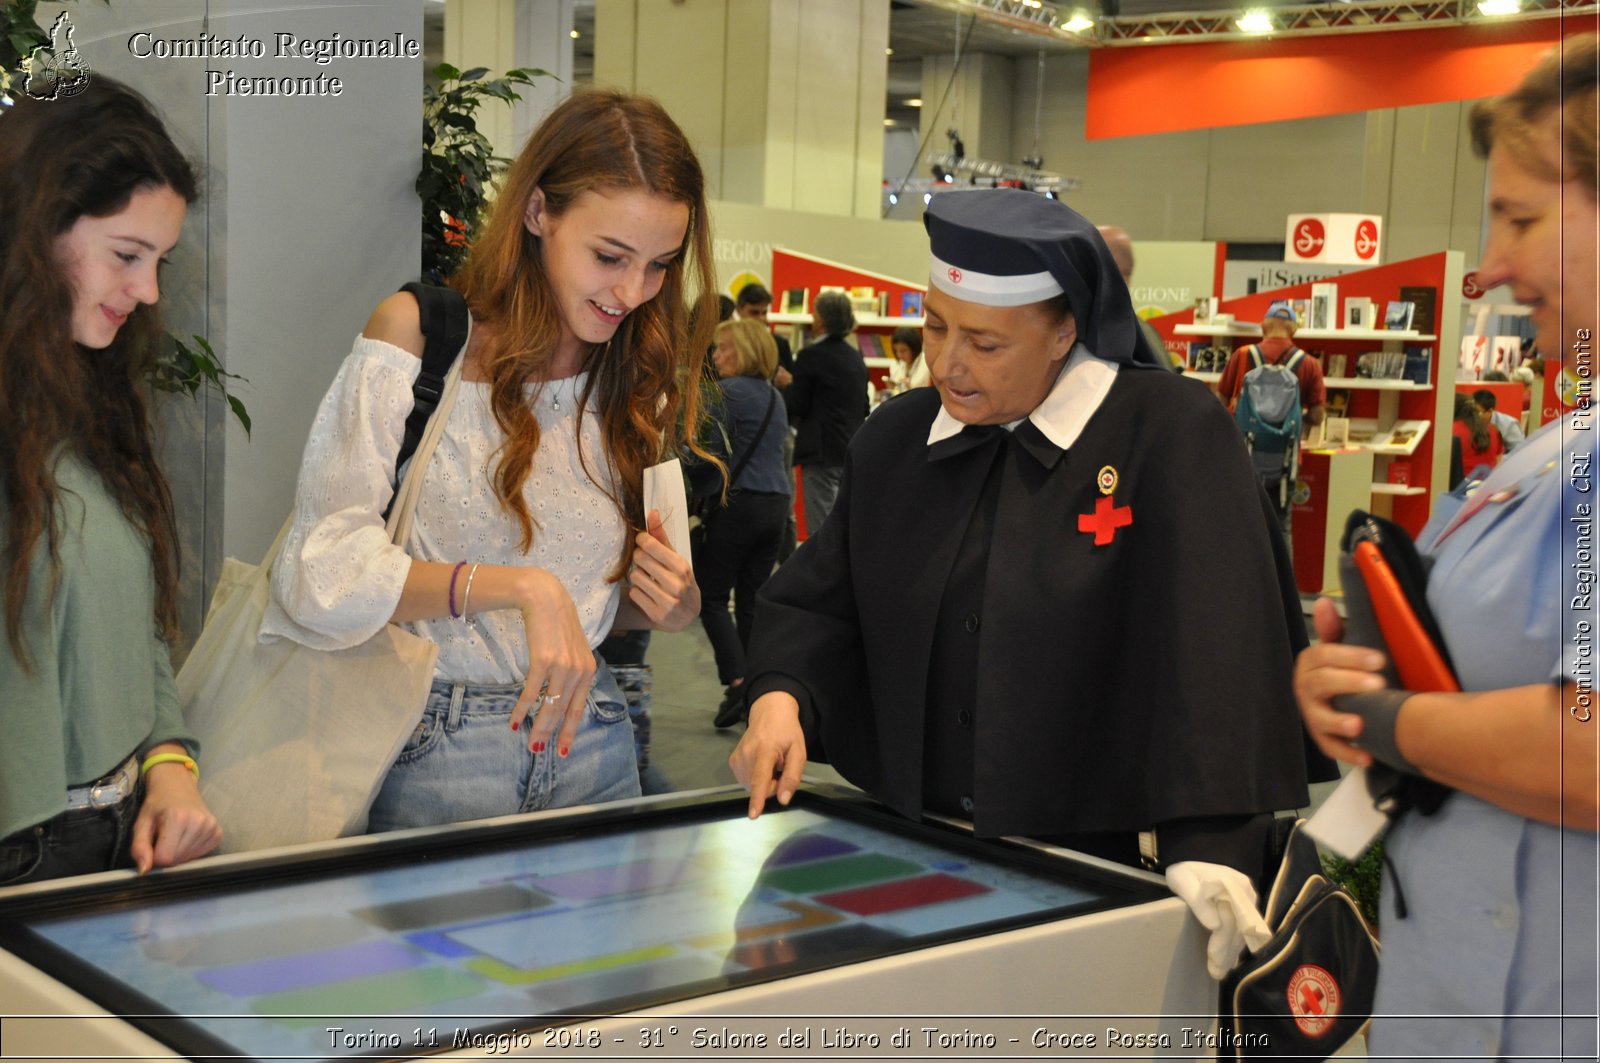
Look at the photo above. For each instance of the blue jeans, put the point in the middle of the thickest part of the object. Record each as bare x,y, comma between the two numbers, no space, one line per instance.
465,762
79,842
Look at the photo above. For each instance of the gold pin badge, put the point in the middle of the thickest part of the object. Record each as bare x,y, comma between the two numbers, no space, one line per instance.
1107,480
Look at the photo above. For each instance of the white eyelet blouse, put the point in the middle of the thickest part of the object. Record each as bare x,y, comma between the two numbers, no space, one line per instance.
339,578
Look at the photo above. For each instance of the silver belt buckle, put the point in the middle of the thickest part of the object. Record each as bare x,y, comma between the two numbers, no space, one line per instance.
108,792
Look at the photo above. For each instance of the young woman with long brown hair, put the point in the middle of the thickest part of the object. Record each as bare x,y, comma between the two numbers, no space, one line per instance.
580,370
92,196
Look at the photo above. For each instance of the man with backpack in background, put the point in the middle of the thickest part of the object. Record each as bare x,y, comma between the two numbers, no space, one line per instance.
1273,387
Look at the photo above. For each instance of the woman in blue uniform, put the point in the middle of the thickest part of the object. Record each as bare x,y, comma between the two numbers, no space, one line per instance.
1051,599
1494,956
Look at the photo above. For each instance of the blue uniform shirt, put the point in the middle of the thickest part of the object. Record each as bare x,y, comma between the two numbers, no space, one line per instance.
1501,923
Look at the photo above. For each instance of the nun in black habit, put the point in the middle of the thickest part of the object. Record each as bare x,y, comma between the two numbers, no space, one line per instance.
1052,598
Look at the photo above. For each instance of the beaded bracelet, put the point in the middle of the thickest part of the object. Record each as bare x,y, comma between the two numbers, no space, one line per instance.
169,758
454,614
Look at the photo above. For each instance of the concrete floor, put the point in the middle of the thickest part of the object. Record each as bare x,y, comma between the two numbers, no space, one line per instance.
684,747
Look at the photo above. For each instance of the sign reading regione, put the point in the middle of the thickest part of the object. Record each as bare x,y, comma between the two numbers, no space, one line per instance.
1334,239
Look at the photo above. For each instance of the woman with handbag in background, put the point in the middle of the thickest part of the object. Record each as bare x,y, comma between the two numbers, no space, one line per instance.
1489,919
739,545
97,769
530,524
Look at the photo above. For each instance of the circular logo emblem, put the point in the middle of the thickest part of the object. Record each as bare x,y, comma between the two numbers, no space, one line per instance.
1301,494
1309,236
1366,239
1470,289
1313,999
1106,480
955,275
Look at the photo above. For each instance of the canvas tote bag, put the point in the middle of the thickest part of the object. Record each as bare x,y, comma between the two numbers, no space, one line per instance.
294,741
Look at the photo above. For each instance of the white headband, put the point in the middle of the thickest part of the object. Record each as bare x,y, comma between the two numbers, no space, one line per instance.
992,289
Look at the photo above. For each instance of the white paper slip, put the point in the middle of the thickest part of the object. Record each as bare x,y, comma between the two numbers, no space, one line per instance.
1349,819
663,491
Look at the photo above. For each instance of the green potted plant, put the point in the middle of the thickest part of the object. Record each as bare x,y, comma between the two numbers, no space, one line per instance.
458,162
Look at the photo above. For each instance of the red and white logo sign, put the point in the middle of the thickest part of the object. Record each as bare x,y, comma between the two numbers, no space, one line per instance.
1313,999
1470,289
1309,236
1366,239
955,275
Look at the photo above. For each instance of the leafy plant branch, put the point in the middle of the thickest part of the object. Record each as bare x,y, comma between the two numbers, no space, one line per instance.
458,162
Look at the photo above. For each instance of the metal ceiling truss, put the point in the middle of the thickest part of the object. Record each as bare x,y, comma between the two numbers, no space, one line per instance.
1047,18
1312,20
996,173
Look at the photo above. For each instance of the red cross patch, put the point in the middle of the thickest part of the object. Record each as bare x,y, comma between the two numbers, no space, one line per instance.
1105,520
1314,999
955,275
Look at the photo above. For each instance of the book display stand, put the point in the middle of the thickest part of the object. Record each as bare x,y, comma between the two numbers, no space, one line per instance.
1393,385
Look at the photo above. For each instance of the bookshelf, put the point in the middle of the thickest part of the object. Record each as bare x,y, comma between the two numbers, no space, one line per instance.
1377,407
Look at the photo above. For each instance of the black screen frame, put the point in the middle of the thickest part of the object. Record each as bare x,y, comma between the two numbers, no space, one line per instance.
1116,890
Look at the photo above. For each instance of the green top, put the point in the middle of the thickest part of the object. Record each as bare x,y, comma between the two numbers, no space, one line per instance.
101,685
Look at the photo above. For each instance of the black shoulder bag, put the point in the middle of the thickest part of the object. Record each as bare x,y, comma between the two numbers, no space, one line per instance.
443,316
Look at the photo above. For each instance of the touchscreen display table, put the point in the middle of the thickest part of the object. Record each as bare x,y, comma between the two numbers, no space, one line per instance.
429,941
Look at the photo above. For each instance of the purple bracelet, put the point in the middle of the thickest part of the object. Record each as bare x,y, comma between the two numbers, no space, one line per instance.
453,574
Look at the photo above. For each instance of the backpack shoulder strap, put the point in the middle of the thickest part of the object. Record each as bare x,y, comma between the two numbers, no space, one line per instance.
1292,363
1256,360
443,315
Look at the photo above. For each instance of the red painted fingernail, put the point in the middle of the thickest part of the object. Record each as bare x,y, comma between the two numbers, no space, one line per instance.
516,724
562,751
538,747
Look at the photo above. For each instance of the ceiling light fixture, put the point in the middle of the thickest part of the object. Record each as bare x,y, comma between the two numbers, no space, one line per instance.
574,35
1499,7
1078,23
914,102
1257,21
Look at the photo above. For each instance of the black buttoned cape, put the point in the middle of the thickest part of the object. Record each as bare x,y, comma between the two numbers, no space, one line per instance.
1119,684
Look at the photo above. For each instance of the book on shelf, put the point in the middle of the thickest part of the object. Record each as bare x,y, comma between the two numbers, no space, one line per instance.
1338,403
1324,306
1397,315
910,304
1302,311
1205,308
864,299
883,304
1419,365
1335,431
1357,312
1381,365
1399,472
1336,365
796,300
1424,300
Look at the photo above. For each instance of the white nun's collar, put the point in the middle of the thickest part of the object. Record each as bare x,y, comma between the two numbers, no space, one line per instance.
1078,392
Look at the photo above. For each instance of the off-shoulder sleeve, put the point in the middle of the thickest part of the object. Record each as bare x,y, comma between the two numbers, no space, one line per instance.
339,578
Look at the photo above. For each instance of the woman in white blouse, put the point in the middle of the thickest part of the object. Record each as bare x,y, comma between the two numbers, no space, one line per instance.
529,525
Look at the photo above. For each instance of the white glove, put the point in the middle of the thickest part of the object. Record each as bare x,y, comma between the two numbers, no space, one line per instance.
1224,900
